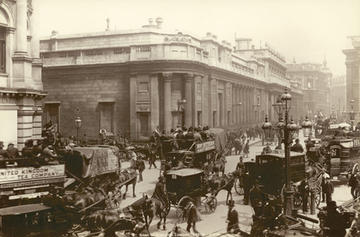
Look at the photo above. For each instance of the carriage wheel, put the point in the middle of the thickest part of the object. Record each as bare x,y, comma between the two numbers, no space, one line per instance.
210,203
181,206
239,189
179,213
355,168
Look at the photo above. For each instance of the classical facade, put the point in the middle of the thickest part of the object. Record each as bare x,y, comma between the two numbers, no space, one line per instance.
314,80
21,89
353,77
338,96
145,78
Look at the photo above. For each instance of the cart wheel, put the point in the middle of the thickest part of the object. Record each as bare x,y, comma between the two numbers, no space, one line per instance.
355,168
210,203
239,189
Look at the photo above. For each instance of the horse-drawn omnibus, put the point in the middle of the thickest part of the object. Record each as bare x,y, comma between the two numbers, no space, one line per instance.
22,185
269,169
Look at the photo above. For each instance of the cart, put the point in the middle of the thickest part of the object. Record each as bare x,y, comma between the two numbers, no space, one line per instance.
188,184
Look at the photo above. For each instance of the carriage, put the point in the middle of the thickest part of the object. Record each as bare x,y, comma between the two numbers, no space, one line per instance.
189,184
198,155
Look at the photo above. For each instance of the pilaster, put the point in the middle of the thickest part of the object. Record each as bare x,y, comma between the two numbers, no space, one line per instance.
133,118
189,100
154,95
167,101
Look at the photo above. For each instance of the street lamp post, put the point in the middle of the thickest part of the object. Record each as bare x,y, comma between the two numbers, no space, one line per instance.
278,106
283,106
78,126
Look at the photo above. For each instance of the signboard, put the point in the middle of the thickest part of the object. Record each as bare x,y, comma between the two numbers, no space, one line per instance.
29,173
205,146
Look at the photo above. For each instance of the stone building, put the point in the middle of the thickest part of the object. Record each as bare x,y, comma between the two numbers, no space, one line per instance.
149,77
338,96
314,80
21,89
353,77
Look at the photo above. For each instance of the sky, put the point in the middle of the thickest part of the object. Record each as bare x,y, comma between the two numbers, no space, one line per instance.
304,30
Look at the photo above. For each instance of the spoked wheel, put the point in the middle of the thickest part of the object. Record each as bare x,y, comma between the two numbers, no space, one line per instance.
239,189
210,203
355,168
180,207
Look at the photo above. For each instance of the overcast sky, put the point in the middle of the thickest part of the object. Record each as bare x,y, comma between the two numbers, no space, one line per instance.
307,30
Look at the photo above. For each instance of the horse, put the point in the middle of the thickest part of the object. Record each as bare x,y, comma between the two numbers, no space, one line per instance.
127,175
225,182
148,208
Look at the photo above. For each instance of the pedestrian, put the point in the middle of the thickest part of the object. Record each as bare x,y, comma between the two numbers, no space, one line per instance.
240,167
334,223
141,167
246,148
329,190
152,156
246,180
232,219
257,199
192,217
304,191
297,147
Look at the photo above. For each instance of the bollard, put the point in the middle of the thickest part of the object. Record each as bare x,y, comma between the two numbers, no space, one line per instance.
312,202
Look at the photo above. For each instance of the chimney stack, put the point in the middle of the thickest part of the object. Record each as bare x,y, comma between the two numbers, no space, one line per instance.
159,22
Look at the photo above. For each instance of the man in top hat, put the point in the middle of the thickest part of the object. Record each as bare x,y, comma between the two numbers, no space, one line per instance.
257,198
232,219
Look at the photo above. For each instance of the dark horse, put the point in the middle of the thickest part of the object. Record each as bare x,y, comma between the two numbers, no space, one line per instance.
225,182
148,208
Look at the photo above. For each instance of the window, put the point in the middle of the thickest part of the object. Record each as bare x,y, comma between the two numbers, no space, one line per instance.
52,113
143,86
107,116
93,52
122,51
144,124
143,49
2,50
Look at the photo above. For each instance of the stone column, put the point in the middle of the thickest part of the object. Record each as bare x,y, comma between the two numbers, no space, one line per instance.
35,42
167,101
154,97
211,102
204,101
132,115
189,101
21,26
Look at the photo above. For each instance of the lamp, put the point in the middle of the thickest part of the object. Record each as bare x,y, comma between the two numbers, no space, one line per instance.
307,126
78,126
266,127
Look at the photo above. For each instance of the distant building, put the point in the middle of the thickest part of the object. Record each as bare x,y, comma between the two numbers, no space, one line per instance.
21,89
338,96
148,77
314,80
353,77
275,74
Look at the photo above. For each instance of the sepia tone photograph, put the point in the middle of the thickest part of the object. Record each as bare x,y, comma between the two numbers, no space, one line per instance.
192,118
